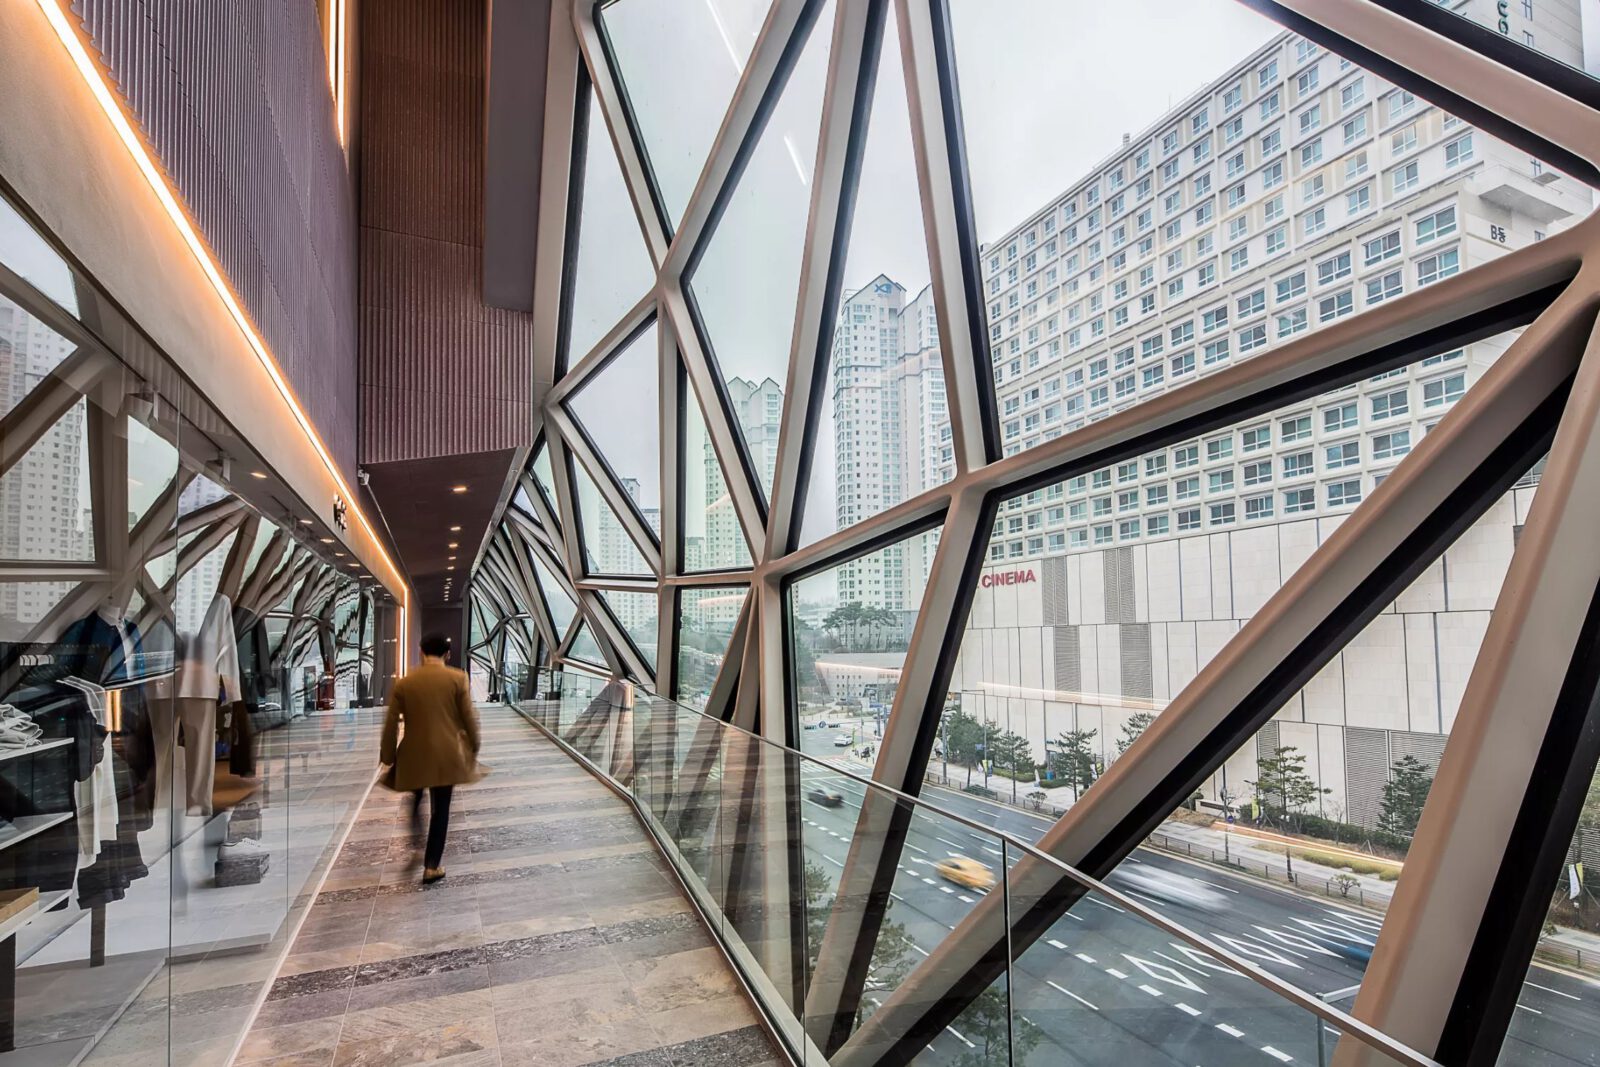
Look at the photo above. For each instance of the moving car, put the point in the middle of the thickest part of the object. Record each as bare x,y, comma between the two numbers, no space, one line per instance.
1164,885
965,871
842,741
827,798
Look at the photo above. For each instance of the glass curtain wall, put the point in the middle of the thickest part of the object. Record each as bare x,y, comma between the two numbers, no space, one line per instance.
183,680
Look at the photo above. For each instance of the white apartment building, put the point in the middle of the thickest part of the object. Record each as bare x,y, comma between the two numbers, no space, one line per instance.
43,498
1293,191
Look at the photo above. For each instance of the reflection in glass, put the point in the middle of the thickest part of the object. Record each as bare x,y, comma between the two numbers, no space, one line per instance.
746,281
607,546
849,627
612,269
562,607
678,116
706,617
23,251
620,412
45,505
544,477
884,423
713,537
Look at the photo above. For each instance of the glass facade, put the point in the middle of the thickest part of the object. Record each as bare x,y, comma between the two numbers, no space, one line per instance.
1117,454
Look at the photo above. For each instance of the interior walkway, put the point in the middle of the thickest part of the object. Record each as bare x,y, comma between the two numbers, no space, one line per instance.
559,938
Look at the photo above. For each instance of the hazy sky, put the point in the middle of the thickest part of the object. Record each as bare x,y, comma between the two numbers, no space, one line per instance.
1048,89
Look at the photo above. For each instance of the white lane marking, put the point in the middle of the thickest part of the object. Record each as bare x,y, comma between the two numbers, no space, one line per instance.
965,899
1142,896
946,889
897,896
1229,1030
1152,990
1070,993
914,848
920,949
1084,956
930,881
1535,1011
1113,972
1103,904
992,852
1270,1051
1075,918
1547,989
1057,944
831,860
1214,885
1181,1006
952,844
960,1037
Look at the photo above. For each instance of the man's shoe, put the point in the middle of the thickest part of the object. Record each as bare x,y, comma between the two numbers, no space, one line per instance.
431,875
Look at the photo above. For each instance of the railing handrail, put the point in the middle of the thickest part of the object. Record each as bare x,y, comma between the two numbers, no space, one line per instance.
1365,1033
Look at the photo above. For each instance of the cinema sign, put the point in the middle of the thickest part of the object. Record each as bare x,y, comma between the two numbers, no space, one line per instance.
1022,577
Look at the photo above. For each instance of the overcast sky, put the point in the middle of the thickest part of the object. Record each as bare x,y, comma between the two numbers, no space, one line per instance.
1048,89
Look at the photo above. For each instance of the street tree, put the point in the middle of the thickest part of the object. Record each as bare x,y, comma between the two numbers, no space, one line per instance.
1403,796
1136,724
1074,759
1283,787
964,738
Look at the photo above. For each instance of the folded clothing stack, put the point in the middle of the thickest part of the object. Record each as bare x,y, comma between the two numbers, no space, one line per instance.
242,862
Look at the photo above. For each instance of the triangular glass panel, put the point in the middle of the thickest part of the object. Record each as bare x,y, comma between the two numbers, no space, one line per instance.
713,536
524,504
637,613
29,352
884,432
32,258
562,607
706,617
848,630
585,647
746,283
678,117
607,547
45,509
544,477
612,269
152,466
619,409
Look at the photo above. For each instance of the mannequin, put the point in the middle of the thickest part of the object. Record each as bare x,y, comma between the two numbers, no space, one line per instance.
208,668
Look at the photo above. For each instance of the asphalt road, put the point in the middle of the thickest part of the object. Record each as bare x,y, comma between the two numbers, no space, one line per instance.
1106,987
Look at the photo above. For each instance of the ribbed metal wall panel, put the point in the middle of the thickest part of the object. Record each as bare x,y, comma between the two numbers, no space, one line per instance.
233,99
441,372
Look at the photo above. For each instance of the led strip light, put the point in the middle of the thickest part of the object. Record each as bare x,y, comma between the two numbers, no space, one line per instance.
109,104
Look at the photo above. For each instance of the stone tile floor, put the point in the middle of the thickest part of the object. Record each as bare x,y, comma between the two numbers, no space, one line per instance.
559,939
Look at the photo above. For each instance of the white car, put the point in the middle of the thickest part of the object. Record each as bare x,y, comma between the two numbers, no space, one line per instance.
1164,885
842,741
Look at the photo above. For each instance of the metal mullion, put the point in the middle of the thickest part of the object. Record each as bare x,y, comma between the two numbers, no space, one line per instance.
727,441
108,485
858,32
669,458
45,404
1505,800
238,555
875,849
542,508
720,700
266,565
618,585
1505,102
627,330
1456,472
557,197
50,571
528,580
623,509
613,640
566,501
699,579
666,640
783,36
629,155
753,706
939,145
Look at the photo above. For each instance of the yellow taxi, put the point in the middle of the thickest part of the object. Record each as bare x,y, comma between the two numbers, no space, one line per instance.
965,871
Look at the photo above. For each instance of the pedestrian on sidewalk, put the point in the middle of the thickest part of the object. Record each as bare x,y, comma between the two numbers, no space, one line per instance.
439,749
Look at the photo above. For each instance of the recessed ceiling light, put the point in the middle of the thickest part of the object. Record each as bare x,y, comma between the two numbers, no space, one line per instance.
326,540
454,544
458,489
305,522
259,474
455,529
355,565
451,567
452,559
338,553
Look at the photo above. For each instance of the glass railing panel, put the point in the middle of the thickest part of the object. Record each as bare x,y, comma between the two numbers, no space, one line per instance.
690,811
1116,986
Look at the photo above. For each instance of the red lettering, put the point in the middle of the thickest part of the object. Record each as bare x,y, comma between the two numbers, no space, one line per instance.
989,581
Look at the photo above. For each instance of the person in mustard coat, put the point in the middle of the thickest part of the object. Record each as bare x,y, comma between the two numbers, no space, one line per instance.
439,749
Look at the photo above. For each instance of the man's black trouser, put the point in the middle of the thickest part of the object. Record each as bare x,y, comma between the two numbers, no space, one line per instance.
438,820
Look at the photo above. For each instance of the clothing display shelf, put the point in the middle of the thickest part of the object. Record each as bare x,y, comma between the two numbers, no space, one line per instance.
43,746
